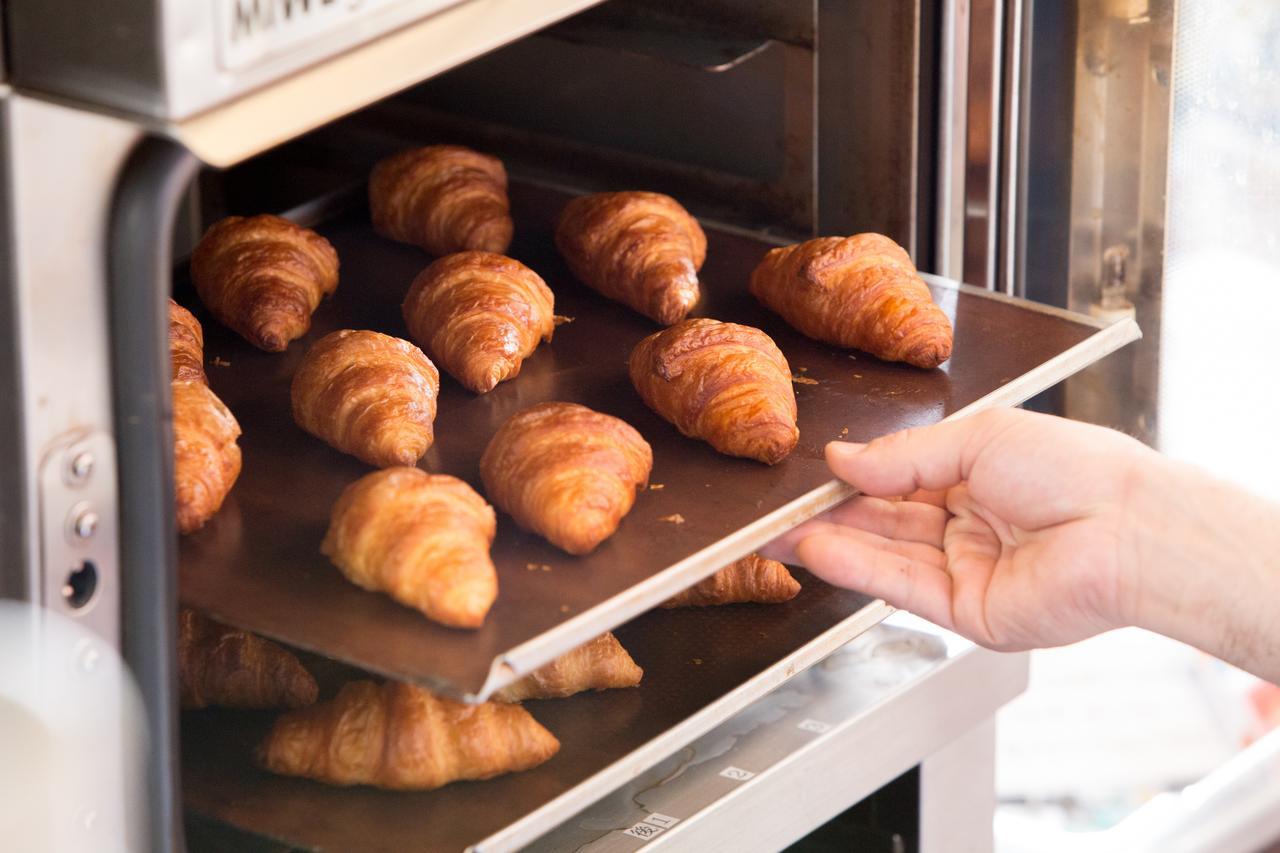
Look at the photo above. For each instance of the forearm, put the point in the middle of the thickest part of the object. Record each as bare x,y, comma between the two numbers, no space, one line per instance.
1207,563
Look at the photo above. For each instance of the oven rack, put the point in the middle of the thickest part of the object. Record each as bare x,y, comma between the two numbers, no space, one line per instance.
257,564
702,665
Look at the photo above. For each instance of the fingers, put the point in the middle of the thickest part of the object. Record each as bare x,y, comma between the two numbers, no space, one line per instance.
844,558
931,458
905,521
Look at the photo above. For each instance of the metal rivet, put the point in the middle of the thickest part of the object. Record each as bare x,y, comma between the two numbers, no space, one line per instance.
86,524
80,467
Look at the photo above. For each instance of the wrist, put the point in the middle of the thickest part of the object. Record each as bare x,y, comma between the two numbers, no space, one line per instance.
1206,564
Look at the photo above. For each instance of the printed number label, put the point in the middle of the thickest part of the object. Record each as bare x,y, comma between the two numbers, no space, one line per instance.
737,774
665,821
814,726
644,831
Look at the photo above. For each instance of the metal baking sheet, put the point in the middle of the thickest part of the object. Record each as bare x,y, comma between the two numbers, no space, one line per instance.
257,564
701,666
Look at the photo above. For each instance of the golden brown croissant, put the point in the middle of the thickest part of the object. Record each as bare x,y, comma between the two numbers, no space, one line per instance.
566,472
443,198
206,458
186,346
751,579
218,665
861,292
641,249
479,315
402,737
601,664
263,277
421,538
368,394
726,384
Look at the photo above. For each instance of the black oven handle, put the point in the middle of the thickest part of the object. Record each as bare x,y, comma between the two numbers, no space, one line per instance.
144,206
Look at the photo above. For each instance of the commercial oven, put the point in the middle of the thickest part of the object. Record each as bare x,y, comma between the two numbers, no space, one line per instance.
128,130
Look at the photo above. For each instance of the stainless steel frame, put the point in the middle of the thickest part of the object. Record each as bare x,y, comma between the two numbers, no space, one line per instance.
890,700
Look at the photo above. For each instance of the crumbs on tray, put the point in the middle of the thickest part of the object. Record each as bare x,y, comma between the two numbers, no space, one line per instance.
674,518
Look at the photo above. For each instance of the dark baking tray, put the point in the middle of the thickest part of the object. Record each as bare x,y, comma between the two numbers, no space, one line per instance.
257,564
694,661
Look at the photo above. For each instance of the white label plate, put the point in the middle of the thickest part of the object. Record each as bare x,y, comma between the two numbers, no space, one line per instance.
252,31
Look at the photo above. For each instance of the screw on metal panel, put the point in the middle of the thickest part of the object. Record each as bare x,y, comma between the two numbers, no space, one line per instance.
85,524
80,467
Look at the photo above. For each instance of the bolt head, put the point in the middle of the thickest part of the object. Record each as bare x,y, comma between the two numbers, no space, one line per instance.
80,467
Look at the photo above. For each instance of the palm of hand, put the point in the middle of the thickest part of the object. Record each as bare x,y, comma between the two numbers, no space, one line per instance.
1014,587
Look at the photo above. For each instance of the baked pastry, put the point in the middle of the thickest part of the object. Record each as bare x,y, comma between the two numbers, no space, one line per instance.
421,538
218,665
641,249
566,472
601,664
726,384
263,277
368,394
752,579
206,458
861,292
442,198
479,315
186,346
402,737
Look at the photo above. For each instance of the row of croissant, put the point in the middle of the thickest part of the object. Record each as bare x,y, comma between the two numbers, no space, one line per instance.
480,314
403,737
562,470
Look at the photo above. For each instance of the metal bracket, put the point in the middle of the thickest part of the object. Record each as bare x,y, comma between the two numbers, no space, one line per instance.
79,555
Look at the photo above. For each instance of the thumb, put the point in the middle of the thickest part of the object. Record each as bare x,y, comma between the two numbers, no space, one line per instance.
933,457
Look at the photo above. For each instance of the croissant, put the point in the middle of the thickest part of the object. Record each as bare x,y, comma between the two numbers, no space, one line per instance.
641,249
751,579
368,394
601,664
263,277
218,665
206,458
861,292
186,346
566,472
479,315
726,384
402,737
421,538
442,198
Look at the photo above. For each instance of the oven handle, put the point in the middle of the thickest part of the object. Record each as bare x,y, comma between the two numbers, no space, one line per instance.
144,207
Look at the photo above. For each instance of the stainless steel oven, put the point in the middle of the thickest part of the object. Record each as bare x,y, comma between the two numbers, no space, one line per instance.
127,131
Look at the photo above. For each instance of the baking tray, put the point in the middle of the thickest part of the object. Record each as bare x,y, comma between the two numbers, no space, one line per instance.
257,563
701,666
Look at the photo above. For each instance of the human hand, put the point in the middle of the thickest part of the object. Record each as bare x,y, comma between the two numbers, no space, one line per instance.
1015,532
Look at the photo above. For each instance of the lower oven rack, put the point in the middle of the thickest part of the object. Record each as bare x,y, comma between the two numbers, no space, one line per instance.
257,563
702,665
